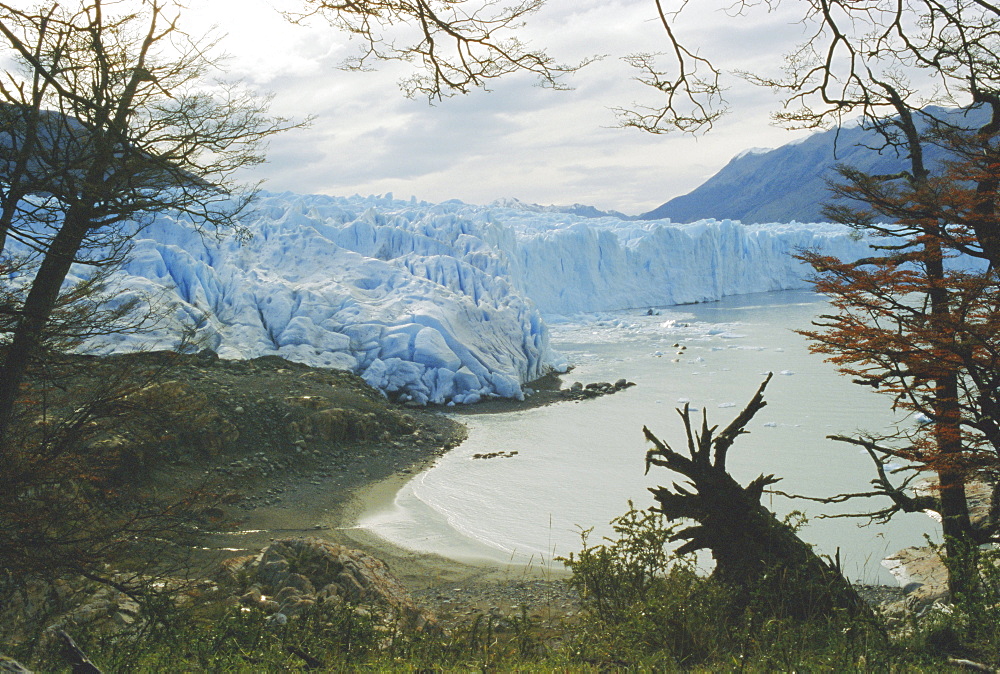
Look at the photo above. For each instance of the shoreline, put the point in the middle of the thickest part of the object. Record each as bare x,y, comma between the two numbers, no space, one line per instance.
419,570
331,509
314,504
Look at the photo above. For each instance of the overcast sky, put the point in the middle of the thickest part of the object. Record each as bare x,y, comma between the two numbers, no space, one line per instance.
519,140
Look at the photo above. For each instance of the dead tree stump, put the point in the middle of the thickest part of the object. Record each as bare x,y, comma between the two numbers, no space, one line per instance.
761,557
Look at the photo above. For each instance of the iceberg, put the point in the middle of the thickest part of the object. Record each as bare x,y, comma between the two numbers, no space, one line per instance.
437,303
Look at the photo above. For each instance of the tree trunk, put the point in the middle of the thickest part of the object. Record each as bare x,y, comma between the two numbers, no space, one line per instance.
956,525
777,572
37,308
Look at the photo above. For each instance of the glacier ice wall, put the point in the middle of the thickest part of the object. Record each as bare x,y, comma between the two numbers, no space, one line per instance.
438,302
603,264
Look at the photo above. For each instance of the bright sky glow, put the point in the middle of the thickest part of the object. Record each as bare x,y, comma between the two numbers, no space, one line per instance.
519,140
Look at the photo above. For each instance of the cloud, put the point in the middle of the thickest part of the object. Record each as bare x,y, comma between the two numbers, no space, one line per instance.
518,140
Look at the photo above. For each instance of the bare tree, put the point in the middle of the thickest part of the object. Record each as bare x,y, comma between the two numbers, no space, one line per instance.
884,62
111,118
459,45
901,69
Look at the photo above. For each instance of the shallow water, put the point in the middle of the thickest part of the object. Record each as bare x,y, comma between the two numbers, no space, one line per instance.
578,464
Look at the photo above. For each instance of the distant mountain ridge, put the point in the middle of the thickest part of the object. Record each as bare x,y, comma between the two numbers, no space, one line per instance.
581,210
789,183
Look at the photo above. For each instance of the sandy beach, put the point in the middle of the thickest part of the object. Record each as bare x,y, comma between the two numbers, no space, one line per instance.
418,569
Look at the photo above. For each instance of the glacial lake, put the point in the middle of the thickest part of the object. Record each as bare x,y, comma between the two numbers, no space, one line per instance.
577,464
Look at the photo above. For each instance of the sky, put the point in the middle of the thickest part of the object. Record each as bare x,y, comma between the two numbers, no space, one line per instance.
516,141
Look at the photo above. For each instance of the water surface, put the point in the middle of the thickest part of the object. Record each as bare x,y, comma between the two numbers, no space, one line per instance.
576,465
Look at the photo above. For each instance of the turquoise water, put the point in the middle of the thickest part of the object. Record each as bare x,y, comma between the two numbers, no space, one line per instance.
577,464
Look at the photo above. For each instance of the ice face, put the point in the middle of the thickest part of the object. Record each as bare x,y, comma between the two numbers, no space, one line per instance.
607,264
438,302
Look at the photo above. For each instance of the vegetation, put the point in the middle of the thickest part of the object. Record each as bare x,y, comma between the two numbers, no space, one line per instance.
916,325
107,118
910,321
111,119
645,609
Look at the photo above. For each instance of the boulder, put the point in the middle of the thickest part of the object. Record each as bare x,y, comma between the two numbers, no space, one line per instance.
283,579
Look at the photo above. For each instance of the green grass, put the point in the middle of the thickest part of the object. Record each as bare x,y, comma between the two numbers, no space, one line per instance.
644,610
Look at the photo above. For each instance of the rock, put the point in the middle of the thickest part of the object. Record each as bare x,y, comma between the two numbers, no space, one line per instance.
252,597
922,574
595,389
273,572
207,357
288,571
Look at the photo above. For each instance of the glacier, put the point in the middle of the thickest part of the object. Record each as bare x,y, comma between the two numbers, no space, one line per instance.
437,303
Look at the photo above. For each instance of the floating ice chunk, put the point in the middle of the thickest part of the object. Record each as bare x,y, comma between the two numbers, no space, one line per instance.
922,419
770,424
787,373
683,400
727,404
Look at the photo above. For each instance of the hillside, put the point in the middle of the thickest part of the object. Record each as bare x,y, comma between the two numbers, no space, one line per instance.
788,183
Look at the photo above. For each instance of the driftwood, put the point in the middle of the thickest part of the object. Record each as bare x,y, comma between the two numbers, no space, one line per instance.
762,557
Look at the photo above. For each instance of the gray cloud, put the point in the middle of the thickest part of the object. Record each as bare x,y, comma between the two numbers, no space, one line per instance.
518,140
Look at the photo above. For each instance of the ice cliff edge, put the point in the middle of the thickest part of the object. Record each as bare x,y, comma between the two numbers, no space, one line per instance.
441,302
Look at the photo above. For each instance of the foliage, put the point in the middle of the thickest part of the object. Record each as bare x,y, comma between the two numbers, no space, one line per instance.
636,586
647,607
74,497
613,576
109,117
919,324
238,639
975,618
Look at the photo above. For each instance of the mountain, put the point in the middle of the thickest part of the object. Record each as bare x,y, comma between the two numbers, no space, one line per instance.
789,183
